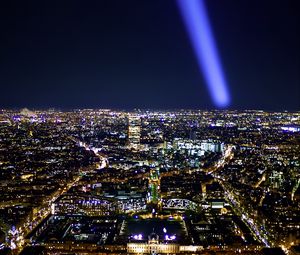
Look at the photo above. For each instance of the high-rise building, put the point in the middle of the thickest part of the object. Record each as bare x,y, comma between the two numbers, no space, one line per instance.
134,131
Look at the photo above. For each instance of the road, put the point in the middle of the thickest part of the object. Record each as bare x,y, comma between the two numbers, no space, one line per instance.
254,227
227,156
87,147
43,211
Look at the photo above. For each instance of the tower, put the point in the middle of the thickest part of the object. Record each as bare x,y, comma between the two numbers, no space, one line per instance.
134,131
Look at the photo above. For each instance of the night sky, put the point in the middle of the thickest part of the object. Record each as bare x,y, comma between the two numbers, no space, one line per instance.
137,54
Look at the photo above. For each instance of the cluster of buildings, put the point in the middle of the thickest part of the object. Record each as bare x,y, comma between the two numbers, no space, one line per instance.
93,205
83,181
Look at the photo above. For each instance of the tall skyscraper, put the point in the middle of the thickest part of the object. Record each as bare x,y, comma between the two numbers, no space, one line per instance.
134,131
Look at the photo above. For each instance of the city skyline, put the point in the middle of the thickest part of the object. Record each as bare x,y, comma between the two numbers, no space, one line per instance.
105,181
150,127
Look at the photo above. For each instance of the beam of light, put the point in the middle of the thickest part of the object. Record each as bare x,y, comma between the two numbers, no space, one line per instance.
197,24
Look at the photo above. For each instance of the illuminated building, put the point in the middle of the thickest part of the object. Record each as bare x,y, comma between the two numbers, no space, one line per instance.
134,131
179,204
198,147
85,205
154,246
276,179
99,206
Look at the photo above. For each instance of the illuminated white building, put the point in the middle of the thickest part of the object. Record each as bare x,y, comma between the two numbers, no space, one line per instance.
134,131
153,246
197,146
99,206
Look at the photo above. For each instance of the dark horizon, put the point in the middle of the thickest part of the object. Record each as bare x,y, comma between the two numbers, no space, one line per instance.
137,54
33,109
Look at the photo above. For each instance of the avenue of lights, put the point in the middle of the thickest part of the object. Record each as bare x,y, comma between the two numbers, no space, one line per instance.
149,182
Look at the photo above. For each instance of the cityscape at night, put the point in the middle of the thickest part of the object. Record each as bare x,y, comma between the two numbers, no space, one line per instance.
150,127
149,182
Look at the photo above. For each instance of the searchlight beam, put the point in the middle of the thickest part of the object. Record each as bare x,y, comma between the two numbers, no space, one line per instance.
197,24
